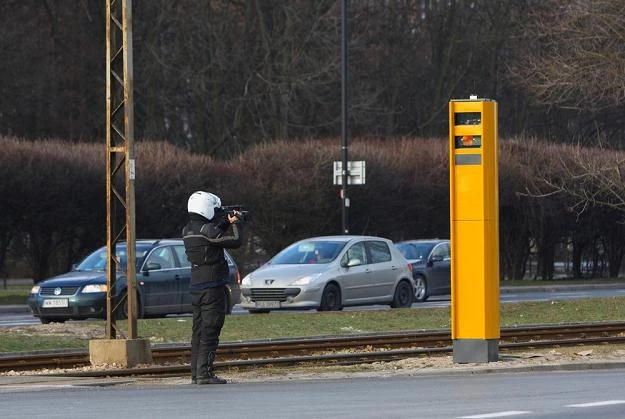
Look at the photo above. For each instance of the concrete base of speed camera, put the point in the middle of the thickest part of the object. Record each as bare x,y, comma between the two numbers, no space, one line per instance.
475,350
125,353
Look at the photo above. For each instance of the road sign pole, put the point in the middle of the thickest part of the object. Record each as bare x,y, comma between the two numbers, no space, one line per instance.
344,118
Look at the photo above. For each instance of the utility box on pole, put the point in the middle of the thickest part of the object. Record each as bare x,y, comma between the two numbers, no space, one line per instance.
474,217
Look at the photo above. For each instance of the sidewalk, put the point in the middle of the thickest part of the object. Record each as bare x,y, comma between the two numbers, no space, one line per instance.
559,287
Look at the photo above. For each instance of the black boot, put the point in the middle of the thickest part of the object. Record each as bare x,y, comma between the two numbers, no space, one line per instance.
206,375
211,378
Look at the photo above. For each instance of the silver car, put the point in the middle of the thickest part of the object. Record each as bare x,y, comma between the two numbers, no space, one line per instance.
329,273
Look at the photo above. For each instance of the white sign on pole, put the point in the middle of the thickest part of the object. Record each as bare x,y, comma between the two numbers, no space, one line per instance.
356,172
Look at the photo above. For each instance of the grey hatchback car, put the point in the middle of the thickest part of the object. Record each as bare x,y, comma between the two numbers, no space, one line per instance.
328,273
431,266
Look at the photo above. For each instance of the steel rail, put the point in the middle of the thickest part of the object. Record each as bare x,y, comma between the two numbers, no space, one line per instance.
329,349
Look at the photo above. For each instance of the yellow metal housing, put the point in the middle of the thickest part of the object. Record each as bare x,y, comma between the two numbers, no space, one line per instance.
474,218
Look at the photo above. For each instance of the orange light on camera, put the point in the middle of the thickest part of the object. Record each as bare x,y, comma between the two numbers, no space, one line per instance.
467,140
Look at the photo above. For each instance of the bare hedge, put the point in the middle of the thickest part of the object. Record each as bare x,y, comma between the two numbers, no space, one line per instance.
53,199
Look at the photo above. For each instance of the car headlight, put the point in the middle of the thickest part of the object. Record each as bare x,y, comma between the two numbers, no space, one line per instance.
35,289
247,281
95,288
305,280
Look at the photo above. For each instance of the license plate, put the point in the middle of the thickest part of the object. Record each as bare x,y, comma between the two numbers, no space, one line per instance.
267,304
57,302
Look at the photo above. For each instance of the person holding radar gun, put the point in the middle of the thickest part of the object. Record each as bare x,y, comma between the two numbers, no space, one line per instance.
211,229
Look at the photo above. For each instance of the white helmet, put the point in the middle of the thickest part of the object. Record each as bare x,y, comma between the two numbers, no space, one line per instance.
203,203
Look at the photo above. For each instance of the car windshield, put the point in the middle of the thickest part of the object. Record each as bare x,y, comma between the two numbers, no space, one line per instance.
415,250
309,252
96,261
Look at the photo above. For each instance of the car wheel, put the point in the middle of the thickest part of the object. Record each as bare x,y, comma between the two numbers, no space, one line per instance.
122,313
331,298
421,289
403,295
254,311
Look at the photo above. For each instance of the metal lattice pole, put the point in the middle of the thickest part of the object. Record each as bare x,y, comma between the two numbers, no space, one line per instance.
120,164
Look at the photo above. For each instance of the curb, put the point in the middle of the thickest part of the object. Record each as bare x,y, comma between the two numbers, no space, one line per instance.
571,366
558,287
66,379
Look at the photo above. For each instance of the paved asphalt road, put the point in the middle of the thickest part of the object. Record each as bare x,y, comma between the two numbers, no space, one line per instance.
544,394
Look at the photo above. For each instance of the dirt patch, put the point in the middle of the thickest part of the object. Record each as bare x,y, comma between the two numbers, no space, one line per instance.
409,366
83,331
437,364
583,357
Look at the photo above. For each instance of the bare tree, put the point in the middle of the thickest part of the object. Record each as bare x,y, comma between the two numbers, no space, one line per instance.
219,76
574,55
52,68
588,176
589,185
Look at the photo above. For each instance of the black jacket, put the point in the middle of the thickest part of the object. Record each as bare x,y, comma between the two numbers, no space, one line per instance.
204,242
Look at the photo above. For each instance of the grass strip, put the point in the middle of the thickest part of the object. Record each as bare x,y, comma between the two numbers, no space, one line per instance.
76,335
14,294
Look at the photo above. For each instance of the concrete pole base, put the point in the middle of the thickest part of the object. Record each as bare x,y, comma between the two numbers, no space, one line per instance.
476,350
125,353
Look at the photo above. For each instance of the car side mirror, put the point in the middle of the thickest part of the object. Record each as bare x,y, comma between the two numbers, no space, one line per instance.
354,262
153,266
434,259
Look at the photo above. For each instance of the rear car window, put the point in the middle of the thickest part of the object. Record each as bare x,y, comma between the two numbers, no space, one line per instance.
182,256
379,251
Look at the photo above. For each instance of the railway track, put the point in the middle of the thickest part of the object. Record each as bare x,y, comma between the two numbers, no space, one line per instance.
337,350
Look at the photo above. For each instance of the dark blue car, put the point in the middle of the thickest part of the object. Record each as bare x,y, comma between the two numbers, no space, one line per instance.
163,276
431,266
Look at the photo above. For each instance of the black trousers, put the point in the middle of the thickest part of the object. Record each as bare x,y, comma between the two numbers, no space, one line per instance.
209,313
